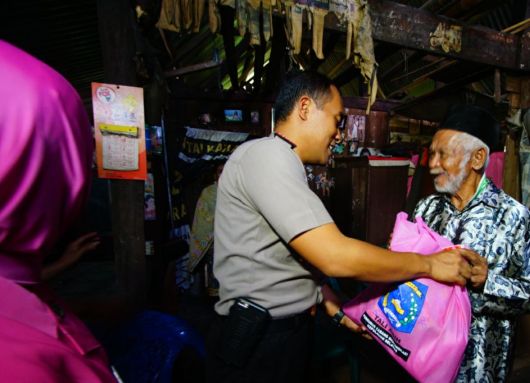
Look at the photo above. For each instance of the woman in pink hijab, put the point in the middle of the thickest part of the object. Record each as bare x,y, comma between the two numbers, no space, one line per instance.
45,159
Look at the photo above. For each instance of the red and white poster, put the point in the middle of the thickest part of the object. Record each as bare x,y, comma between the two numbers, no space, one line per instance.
119,131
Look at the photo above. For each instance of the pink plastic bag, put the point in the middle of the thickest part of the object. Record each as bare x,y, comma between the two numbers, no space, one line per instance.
422,324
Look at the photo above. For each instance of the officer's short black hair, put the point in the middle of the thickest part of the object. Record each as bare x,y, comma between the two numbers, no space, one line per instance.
298,84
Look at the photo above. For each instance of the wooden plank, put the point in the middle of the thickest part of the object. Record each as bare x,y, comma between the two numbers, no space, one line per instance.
512,84
445,90
361,102
525,92
116,21
192,68
412,27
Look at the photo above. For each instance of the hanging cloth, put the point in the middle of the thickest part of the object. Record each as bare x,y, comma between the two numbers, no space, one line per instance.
267,18
214,18
318,9
183,15
294,23
254,17
169,16
363,49
197,13
253,9
186,13
355,14
242,15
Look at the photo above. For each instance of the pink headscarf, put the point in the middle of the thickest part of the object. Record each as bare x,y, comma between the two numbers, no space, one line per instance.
45,157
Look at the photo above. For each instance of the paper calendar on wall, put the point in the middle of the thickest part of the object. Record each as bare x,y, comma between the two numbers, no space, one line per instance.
119,131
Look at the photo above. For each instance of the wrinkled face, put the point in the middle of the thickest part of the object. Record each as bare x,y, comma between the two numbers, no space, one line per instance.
325,122
448,162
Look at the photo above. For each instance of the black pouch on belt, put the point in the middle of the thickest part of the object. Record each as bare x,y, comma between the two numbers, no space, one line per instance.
243,329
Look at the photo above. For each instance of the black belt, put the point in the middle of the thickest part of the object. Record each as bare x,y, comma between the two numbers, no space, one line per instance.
282,324
290,322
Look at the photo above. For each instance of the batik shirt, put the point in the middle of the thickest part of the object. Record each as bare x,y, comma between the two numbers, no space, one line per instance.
497,227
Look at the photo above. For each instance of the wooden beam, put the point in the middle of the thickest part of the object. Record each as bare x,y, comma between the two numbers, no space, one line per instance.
127,197
192,68
435,5
186,46
445,62
445,90
411,28
418,80
361,102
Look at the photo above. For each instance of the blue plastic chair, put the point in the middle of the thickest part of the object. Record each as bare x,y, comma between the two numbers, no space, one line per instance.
145,349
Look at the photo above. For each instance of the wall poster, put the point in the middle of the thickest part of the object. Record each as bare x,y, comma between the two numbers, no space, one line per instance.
119,131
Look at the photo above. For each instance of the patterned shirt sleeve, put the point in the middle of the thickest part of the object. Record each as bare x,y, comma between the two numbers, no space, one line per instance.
510,295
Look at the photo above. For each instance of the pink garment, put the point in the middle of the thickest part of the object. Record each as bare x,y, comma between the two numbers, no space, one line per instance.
46,153
495,169
41,344
422,324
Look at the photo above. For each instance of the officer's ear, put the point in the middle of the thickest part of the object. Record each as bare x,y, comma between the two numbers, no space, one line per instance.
478,158
303,107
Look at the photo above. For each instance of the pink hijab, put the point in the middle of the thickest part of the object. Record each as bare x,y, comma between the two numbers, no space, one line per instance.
45,158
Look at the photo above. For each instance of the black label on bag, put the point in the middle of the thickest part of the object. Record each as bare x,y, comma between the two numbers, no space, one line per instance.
385,337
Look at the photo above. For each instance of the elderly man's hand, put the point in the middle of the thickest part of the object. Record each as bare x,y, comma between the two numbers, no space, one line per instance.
351,325
450,266
479,269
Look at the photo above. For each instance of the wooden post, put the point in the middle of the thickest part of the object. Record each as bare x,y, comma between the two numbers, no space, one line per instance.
116,29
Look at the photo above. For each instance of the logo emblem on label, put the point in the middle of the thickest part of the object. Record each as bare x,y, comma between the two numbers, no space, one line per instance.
105,94
403,305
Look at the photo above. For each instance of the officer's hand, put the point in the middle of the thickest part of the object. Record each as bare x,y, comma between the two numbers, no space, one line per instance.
450,266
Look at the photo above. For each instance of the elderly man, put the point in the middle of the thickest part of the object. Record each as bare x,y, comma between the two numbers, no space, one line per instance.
272,232
471,211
